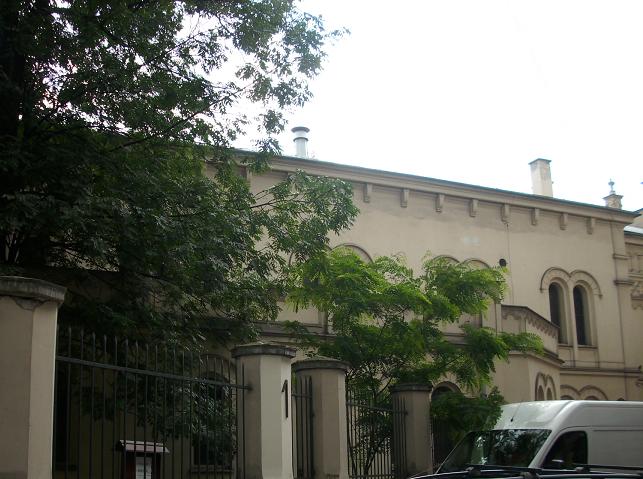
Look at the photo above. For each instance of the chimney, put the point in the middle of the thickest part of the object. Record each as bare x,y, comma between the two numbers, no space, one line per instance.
613,200
541,183
301,141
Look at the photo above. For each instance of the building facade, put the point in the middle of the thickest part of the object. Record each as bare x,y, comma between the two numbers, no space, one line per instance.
574,270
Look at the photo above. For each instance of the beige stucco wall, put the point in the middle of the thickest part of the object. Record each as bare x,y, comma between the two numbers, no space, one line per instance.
541,239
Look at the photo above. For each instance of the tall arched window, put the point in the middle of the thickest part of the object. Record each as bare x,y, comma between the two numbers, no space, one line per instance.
556,312
581,314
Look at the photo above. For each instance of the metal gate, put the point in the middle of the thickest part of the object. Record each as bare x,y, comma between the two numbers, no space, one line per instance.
376,438
130,411
302,428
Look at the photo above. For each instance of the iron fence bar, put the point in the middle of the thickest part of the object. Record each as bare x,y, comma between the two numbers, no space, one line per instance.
54,444
124,455
174,415
90,461
310,428
80,406
145,384
198,414
114,389
243,412
183,413
156,395
124,369
135,425
366,406
103,415
164,427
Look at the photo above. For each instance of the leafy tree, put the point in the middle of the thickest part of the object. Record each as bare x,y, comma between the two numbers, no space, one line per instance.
385,320
111,111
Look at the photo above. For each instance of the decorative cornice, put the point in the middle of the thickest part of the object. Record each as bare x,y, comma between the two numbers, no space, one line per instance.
404,198
261,348
319,363
449,188
408,387
473,207
368,192
505,213
523,313
439,202
30,292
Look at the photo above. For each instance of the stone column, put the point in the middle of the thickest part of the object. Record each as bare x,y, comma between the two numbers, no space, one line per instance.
417,438
28,316
265,432
330,442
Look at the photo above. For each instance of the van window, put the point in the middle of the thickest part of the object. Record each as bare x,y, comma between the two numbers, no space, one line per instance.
504,447
569,449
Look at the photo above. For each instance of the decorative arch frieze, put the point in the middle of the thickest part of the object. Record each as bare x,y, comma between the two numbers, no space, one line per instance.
569,391
553,274
593,391
579,276
571,279
449,258
446,385
476,263
545,387
358,250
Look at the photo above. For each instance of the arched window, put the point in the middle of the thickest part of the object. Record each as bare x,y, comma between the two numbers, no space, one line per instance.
556,311
540,394
550,394
581,314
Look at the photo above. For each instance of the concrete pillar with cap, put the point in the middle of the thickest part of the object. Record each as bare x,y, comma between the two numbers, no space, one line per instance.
330,441
28,317
265,431
417,450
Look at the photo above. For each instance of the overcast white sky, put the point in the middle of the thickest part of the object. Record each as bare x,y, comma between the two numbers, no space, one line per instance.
471,91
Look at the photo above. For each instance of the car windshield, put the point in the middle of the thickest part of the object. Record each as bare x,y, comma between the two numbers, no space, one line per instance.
507,447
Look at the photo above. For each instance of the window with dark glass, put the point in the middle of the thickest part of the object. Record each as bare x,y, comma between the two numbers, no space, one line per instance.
556,310
506,447
580,312
568,450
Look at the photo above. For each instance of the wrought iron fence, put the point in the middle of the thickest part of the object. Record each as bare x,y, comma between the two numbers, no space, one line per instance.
125,410
376,437
302,428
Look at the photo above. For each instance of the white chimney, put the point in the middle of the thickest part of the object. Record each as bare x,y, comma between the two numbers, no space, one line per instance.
541,183
301,141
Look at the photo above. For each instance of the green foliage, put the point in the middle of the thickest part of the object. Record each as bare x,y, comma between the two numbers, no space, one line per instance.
110,112
464,414
386,320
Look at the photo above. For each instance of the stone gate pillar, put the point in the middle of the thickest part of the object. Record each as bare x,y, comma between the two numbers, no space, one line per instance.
329,430
417,450
265,431
28,316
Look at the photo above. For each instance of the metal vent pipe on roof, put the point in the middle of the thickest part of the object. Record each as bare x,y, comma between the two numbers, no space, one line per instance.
301,141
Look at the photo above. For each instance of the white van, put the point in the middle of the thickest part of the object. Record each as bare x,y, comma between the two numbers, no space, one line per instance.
556,434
